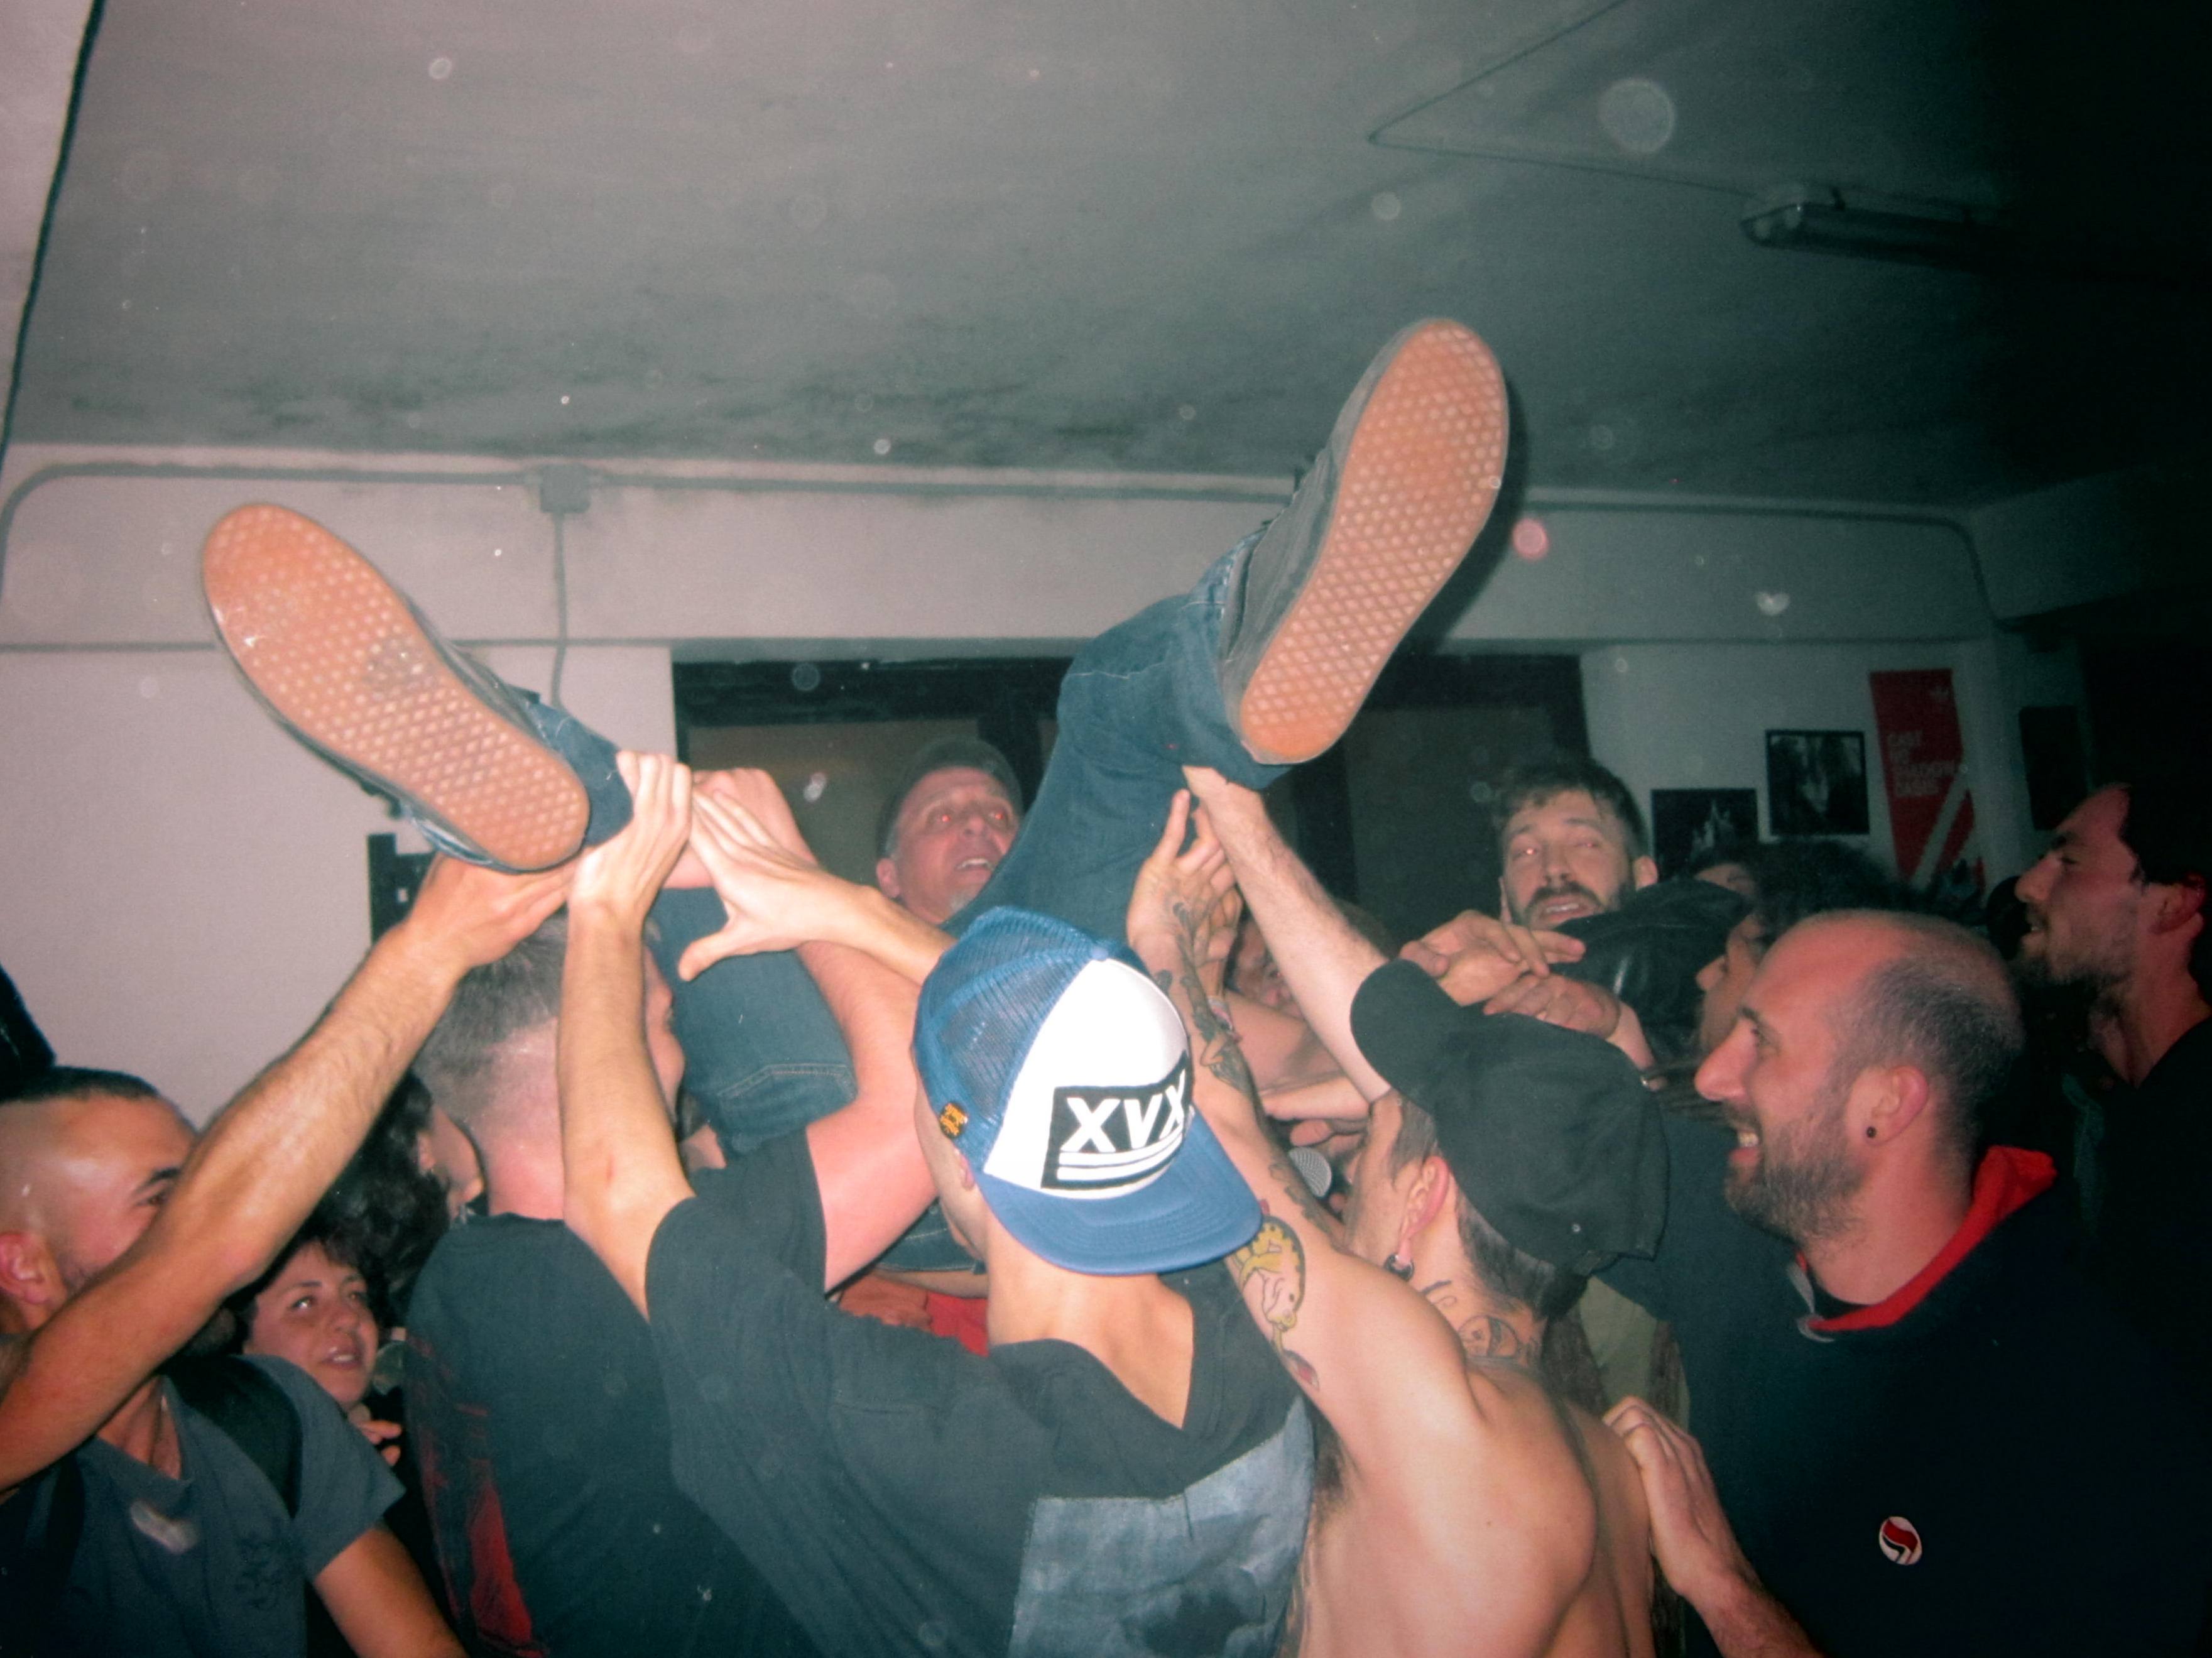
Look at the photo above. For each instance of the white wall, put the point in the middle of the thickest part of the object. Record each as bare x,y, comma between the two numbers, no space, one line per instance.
1696,716
182,887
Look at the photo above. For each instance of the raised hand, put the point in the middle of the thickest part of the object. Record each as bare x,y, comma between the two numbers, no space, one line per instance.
1184,901
1475,956
773,897
467,915
620,878
758,795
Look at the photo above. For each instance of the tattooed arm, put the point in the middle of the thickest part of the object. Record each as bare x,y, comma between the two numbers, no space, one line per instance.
1354,1336
1323,958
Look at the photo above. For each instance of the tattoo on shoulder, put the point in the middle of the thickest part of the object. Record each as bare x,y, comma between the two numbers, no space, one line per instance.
1273,1269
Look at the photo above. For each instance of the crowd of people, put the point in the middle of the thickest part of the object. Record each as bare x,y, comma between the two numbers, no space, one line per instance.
1093,1237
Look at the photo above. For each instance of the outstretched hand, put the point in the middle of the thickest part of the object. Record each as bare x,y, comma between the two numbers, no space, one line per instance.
773,897
621,876
1185,898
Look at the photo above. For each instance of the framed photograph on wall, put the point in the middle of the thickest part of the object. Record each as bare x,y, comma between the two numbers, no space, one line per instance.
1686,823
1816,783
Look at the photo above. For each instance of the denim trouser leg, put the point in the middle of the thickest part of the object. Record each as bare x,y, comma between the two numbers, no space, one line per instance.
1141,702
763,1054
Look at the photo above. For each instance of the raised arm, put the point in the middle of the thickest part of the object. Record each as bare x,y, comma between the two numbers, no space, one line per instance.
1323,958
621,1174
1356,1339
261,1166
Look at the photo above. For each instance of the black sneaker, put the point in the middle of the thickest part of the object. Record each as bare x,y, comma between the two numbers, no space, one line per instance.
352,670
1391,506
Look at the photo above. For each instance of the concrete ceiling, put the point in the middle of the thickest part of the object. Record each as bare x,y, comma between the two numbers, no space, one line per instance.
1132,235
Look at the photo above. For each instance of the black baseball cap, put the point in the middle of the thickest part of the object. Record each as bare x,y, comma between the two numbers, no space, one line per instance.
1550,1132
945,754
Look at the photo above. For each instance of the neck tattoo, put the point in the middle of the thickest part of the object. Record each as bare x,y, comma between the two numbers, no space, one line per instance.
1482,1334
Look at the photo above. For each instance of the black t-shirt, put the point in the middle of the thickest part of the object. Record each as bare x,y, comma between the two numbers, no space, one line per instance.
2153,1245
534,1408
2004,1468
906,1496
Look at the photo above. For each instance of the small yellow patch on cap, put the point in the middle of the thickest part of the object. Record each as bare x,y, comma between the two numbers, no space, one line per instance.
952,1119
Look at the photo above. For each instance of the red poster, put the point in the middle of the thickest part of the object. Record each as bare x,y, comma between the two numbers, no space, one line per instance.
1931,810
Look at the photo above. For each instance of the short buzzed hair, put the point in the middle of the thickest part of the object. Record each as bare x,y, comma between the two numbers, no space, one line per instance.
1539,781
1944,1005
492,1006
78,1082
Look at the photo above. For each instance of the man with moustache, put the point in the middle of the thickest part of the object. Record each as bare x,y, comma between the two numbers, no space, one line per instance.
1583,917
2116,910
1571,843
1922,1431
1589,938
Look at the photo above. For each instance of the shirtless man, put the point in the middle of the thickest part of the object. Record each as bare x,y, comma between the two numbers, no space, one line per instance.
1464,1509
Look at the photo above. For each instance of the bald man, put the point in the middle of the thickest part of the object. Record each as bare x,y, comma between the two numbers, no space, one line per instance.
1925,1434
120,1234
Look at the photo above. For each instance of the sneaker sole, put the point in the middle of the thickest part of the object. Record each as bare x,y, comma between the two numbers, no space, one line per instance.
1422,473
337,654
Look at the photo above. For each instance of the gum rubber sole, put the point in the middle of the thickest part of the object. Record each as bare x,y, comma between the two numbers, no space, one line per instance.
331,647
1421,474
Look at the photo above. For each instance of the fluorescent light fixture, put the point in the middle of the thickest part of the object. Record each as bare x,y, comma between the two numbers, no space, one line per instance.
1952,236
1826,221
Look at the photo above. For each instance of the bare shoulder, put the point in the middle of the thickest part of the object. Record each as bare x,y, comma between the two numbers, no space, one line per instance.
1614,1482
1519,1425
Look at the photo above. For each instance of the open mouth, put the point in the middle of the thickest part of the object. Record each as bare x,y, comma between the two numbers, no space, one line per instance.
1747,1146
1563,907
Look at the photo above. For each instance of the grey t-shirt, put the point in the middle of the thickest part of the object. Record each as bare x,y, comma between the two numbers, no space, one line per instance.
210,1564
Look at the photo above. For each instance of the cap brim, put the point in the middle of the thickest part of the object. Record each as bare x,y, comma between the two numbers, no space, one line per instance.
1198,1209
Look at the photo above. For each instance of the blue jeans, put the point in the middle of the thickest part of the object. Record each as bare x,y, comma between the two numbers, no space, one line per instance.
763,1055
1141,702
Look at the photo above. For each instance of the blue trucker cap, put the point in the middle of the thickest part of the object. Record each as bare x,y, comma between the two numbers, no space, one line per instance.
1063,1075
